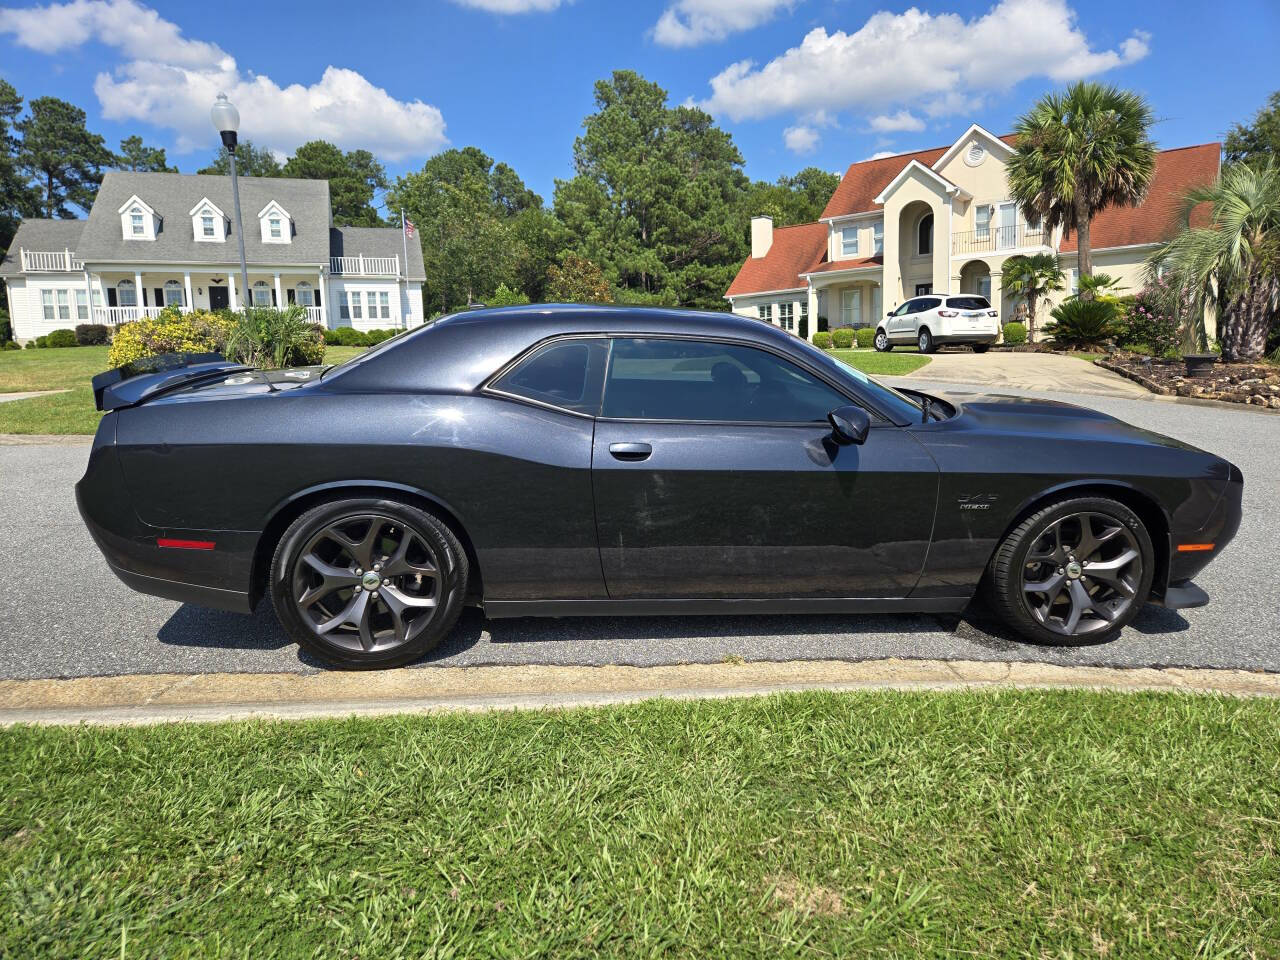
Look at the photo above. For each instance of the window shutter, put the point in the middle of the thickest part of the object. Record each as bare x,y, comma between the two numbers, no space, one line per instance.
111,296
317,296
159,296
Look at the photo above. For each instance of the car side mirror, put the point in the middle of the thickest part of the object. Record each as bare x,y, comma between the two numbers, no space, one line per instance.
849,425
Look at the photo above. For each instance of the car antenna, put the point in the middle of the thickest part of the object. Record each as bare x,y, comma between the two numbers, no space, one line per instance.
926,405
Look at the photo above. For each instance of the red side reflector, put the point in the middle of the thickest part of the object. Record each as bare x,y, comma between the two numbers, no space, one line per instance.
184,544
1194,547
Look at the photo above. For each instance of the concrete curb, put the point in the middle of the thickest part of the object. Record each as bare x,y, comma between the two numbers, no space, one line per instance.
45,439
162,698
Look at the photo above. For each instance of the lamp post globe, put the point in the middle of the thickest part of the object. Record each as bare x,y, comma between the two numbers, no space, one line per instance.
226,120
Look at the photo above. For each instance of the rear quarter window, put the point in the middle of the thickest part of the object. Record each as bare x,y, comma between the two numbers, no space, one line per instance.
968,303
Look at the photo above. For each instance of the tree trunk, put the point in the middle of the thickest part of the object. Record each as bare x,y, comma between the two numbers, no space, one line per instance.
1031,319
48,196
1243,326
1084,251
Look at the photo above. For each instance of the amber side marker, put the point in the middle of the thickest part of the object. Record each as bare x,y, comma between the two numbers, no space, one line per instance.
184,544
1194,547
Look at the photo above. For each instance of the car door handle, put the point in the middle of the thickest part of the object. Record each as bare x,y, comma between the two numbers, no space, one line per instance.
630,451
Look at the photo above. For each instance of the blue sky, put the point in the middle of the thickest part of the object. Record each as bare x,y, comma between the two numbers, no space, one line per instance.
797,82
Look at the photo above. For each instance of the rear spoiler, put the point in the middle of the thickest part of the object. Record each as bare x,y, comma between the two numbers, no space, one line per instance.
144,379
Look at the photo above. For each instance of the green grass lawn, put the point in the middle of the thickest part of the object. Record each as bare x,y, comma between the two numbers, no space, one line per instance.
1011,824
898,362
73,367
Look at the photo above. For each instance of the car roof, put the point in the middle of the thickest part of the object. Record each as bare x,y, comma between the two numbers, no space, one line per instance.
568,318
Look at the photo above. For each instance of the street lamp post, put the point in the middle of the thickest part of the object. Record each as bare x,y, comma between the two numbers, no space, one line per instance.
226,120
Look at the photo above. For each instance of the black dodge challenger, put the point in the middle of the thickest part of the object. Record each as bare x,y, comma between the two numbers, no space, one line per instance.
561,460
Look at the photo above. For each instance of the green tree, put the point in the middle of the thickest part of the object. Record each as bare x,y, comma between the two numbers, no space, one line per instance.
577,280
1257,141
1079,152
353,177
504,296
250,162
1233,264
1031,278
17,197
791,200
656,199
61,155
136,156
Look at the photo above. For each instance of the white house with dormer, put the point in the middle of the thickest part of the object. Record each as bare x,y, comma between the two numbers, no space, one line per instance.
940,221
154,240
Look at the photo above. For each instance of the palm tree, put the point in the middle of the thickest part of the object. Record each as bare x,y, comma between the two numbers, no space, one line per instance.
1031,278
1079,152
1233,264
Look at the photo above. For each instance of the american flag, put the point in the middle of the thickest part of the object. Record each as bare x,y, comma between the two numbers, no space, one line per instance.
408,227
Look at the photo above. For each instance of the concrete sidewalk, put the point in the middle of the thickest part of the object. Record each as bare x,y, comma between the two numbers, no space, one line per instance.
160,698
1002,370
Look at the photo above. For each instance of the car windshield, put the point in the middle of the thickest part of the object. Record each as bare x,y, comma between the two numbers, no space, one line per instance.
891,401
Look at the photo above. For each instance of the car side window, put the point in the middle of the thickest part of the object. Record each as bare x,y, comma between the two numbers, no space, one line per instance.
903,310
928,303
563,373
667,379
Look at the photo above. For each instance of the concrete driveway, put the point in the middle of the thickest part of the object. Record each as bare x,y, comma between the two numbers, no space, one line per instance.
63,614
998,370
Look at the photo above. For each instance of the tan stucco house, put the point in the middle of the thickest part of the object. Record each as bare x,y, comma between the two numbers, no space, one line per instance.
939,221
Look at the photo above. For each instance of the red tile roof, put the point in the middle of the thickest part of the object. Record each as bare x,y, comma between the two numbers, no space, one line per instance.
829,265
863,181
1156,218
795,250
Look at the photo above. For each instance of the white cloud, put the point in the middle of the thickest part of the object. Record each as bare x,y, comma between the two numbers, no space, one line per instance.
510,6
881,154
800,139
687,23
903,120
952,61
173,81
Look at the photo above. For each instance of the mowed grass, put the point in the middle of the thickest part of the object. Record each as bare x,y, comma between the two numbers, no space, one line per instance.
69,367
898,362
1011,824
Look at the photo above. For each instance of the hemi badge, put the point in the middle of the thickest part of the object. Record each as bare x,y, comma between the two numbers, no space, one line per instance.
184,544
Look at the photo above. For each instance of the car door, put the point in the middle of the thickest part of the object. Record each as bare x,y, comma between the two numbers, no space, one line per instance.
900,321
714,476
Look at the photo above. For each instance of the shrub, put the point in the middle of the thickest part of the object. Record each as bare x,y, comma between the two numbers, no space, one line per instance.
372,337
1083,323
504,296
171,332
42,342
331,337
822,340
1153,321
823,326
1015,333
842,338
10,345
6,328
63,338
866,337
269,338
92,334
351,337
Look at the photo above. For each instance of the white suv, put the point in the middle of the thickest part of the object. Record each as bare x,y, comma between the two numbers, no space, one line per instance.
933,319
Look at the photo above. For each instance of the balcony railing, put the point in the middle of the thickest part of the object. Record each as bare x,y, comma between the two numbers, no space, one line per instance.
994,239
362,266
52,261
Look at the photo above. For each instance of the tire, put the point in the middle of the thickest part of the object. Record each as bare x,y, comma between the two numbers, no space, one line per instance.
1047,542
925,340
981,347
881,342
382,617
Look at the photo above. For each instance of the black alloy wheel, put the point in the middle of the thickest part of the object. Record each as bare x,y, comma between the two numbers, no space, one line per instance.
368,583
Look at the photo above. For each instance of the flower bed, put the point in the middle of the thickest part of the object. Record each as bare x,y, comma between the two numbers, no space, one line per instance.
1256,384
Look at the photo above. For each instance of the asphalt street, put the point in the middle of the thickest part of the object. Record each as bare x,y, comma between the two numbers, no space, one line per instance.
62,613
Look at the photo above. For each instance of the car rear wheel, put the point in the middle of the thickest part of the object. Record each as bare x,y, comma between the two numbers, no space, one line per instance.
368,583
882,342
981,347
1074,572
926,341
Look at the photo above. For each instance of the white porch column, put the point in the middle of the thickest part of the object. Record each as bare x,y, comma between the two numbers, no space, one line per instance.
231,291
323,295
279,294
812,294
186,279
88,292
997,299
137,292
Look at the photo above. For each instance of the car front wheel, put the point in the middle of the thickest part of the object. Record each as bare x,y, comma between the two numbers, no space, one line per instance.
926,342
882,342
368,583
1072,573
981,347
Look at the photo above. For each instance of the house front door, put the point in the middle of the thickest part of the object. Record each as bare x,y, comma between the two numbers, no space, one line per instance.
219,298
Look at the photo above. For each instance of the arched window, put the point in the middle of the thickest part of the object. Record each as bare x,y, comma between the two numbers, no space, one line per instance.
126,294
261,294
305,296
924,235
173,294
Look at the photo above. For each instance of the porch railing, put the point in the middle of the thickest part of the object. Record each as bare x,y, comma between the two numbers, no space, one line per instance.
362,266
316,315
114,316
49,261
995,239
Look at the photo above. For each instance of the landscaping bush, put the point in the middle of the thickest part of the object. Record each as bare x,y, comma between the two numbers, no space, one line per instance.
504,296
822,340
372,337
92,334
351,337
171,332
63,338
1015,333
331,337
866,337
842,339
6,328
1152,322
269,338
42,342
1080,324
10,345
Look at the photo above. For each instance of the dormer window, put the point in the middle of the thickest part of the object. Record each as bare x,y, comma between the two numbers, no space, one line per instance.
138,221
277,225
208,222
206,226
